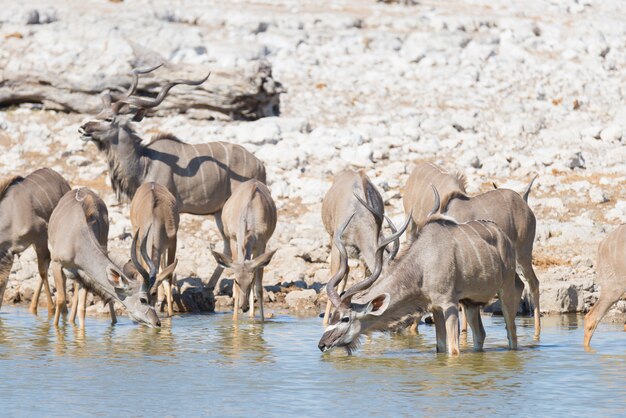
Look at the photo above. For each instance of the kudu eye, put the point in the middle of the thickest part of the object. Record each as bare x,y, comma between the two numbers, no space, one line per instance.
143,300
345,319
109,119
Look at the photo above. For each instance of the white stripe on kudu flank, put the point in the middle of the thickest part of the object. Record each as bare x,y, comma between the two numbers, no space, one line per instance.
471,244
34,195
456,243
227,155
491,254
40,187
200,170
188,170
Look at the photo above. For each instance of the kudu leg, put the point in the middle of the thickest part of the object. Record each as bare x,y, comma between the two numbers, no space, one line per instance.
82,306
334,266
251,301
440,330
171,257
451,315
235,301
59,281
414,328
43,263
6,263
533,283
510,295
112,312
74,308
463,317
472,315
259,292
607,298
34,303
167,286
219,269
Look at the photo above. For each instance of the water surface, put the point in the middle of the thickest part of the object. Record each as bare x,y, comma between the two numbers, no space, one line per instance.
198,365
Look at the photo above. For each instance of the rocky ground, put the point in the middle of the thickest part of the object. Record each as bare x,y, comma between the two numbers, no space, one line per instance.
499,90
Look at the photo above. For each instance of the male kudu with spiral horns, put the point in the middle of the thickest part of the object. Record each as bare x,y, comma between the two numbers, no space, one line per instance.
200,176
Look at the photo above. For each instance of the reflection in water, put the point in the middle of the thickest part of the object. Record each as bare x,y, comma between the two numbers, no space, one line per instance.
239,339
210,365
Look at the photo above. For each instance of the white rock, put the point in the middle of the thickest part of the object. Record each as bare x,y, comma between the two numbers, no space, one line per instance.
611,133
597,195
618,212
299,298
359,157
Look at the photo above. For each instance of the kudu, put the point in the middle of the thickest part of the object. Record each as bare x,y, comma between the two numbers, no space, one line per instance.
339,203
77,236
611,268
154,215
26,204
446,263
202,177
503,206
249,218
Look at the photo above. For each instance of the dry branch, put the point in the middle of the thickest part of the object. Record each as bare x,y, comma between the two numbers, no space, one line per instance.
238,94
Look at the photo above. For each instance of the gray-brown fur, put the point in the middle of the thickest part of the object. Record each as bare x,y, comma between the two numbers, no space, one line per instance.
26,204
363,232
249,218
202,177
446,264
611,276
503,206
418,196
78,232
154,215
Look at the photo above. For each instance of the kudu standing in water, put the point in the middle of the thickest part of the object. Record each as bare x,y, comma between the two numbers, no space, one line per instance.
340,202
249,221
201,176
503,206
26,204
611,268
154,215
446,263
78,232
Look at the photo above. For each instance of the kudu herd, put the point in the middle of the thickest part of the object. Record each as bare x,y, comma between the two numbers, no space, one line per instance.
444,264
460,250
201,177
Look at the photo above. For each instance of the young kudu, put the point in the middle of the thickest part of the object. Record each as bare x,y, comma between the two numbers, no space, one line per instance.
26,204
503,206
446,264
249,222
77,233
154,215
202,177
611,268
339,203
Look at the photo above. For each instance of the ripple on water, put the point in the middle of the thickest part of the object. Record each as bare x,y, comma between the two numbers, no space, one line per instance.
206,364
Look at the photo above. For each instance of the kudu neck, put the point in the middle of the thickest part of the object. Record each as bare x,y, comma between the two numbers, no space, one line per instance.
93,261
127,163
406,297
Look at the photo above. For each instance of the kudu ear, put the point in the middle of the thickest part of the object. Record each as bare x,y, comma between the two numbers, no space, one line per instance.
376,306
222,259
117,280
166,272
263,260
138,117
